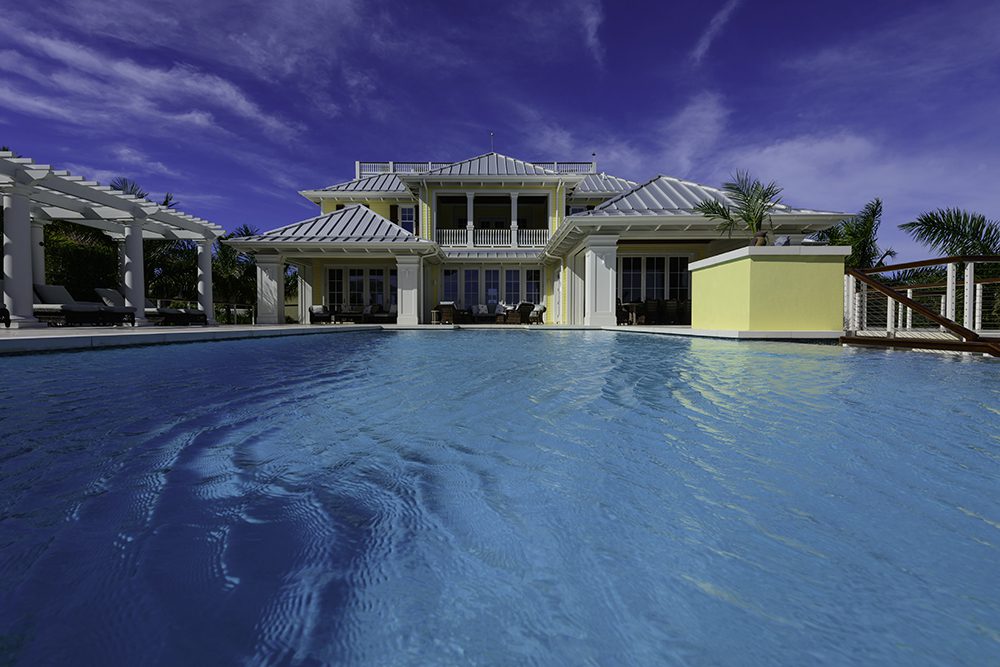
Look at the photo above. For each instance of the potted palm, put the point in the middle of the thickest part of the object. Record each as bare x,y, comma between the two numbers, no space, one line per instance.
752,203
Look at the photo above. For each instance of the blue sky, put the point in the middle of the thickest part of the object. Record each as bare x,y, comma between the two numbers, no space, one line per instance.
235,107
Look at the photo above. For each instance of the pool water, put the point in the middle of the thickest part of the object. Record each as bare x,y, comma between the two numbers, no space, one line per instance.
499,498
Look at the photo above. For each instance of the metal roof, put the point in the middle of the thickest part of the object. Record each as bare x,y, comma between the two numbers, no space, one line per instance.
351,224
666,195
378,183
491,164
603,184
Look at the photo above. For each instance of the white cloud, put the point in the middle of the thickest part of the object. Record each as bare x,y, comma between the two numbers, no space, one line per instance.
139,160
715,26
693,133
591,17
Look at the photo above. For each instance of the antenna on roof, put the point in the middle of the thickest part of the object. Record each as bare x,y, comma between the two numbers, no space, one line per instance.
491,142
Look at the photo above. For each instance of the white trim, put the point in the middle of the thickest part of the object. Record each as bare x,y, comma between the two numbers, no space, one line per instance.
772,251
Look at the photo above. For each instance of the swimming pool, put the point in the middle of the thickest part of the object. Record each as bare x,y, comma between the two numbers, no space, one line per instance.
512,497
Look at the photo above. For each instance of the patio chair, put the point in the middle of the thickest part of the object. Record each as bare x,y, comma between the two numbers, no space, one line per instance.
483,314
447,310
319,314
537,314
387,317
520,314
671,310
501,312
55,304
621,313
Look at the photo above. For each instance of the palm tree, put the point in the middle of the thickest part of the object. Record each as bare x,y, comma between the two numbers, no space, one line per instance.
861,233
953,231
753,203
129,187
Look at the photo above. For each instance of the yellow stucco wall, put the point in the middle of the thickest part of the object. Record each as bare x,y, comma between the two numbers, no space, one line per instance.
769,293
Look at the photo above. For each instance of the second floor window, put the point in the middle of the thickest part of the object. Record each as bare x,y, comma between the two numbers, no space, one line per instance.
407,219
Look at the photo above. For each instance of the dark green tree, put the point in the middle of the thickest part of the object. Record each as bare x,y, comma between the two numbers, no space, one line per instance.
753,202
861,233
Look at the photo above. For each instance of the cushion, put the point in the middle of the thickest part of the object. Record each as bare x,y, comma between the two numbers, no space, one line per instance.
110,297
53,294
318,310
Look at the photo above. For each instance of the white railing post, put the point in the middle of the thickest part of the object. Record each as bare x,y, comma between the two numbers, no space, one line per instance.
856,313
470,231
890,315
968,296
949,301
909,311
848,301
979,307
513,219
864,307
943,311
357,169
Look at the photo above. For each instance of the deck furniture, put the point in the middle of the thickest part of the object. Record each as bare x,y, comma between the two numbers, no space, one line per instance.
537,314
502,311
320,314
174,316
353,314
520,314
387,317
483,314
56,306
447,310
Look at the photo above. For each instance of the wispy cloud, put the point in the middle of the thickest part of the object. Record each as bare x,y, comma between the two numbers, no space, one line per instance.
140,161
693,132
591,16
715,26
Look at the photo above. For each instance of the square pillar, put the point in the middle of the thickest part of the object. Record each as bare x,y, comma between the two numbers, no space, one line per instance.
270,289
408,290
206,302
470,218
600,281
513,219
17,255
135,276
305,277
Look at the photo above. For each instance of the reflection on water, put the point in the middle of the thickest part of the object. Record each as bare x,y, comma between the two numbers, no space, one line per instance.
497,498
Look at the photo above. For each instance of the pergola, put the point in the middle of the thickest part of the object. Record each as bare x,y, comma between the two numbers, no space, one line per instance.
36,194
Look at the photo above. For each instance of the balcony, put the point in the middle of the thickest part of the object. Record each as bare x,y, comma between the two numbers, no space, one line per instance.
365,169
491,238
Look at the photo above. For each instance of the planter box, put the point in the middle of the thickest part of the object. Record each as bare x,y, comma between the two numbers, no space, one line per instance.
770,288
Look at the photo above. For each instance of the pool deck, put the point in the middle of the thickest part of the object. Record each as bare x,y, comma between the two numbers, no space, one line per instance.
51,339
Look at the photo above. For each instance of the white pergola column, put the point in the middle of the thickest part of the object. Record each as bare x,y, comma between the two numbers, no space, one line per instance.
135,275
305,278
600,280
205,295
513,219
408,290
270,289
17,255
470,225
120,243
38,252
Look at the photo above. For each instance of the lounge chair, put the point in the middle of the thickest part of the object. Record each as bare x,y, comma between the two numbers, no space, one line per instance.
55,304
173,316
318,314
388,317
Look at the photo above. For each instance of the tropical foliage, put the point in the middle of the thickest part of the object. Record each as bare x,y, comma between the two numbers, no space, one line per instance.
953,231
752,200
861,233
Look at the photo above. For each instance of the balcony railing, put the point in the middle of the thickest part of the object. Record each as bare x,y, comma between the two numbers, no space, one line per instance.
487,238
459,237
364,169
528,238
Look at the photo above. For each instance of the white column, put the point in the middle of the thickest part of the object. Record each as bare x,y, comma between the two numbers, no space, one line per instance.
305,277
513,219
121,263
135,276
205,296
848,301
969,296
408,290
38,252
890,314
949,297
600,280
17,292
470,223
909,311
270,289
856,313
979,307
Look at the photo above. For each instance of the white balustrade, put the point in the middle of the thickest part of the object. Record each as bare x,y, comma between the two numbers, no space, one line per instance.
452,237
532,237
491,237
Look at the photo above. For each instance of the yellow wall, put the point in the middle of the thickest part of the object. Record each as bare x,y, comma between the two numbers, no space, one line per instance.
770,293
380,207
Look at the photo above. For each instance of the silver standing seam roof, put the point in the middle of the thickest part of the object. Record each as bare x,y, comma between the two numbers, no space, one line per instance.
379,183
602,185
490,164
351,224
666,196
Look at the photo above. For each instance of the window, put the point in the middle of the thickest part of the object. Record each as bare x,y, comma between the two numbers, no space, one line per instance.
393,283
655,277
450,285
577,209
336,287
631,279
679,278
376,287
356,287
491,280
407,219
533,285
512,286
471,287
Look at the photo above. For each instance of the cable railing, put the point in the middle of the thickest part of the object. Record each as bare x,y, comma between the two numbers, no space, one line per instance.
960,313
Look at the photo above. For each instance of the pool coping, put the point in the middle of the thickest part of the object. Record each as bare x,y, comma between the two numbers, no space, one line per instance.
59,339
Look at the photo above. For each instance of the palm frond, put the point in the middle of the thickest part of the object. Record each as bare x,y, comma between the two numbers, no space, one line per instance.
953,231
128,186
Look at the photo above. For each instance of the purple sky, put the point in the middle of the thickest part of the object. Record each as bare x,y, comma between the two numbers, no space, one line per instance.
234,110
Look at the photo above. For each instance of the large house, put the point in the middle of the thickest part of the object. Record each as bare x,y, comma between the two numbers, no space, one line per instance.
406,236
